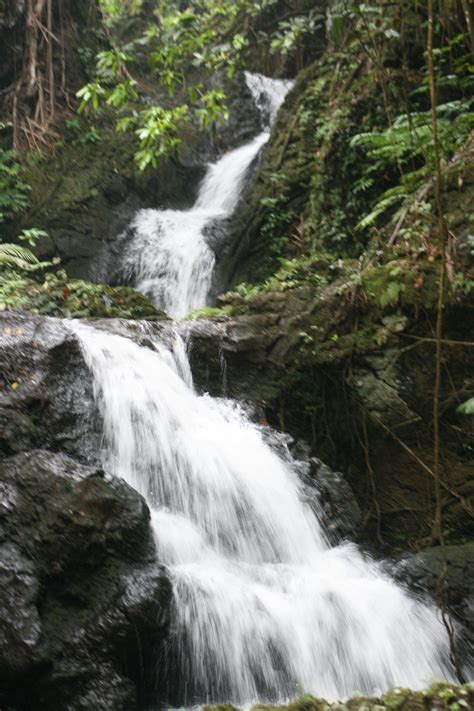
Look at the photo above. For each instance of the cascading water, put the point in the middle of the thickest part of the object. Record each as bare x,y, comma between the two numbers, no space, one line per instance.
168,258
264,607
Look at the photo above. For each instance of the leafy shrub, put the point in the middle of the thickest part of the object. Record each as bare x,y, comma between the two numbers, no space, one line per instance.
13,189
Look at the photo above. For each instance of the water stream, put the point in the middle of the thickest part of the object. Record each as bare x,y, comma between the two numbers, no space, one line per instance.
264,607
168,258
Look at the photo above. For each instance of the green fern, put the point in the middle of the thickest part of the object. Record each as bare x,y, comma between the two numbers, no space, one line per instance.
13,189
409,139
20,257
391,296
387,201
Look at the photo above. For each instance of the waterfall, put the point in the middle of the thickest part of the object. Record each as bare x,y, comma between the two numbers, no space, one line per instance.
264,607
168,258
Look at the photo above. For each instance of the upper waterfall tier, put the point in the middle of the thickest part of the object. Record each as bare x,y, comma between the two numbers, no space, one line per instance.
168,258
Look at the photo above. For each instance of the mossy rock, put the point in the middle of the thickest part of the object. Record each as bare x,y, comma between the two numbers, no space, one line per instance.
402,282
59,296
86,193
302,198
440,696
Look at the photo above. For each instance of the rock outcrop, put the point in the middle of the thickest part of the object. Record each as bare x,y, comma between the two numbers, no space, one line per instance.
84,604
46,400
448,574
357,383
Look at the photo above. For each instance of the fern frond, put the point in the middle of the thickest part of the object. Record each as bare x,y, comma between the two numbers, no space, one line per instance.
17,256
380,207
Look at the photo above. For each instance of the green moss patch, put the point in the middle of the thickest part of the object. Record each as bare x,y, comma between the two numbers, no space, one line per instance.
402,282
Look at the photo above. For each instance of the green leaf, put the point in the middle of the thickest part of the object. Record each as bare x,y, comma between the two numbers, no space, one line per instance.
467,407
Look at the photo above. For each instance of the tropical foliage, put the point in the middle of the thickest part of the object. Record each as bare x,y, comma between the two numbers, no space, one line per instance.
188,48
13,189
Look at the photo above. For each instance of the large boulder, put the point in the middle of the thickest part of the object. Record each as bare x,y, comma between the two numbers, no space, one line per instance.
84,603
85,606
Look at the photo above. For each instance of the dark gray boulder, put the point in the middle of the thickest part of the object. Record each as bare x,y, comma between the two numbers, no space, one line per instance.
19,623
85,606
333,501
447,572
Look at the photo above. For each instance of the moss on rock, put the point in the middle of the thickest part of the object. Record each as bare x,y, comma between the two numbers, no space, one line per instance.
59,296
85,194
440,696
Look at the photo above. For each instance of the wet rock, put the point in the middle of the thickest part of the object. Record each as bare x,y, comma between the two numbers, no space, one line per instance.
327,492
46,399
244,118
19,621
423,570
251,349
81,595
333,501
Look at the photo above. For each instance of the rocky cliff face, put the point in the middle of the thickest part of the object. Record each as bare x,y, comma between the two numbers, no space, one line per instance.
358,385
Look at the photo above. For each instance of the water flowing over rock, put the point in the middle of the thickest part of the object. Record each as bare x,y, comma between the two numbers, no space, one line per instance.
262,602
169,258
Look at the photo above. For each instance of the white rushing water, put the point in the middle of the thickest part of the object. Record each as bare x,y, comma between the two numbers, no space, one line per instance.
168,258
265,607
